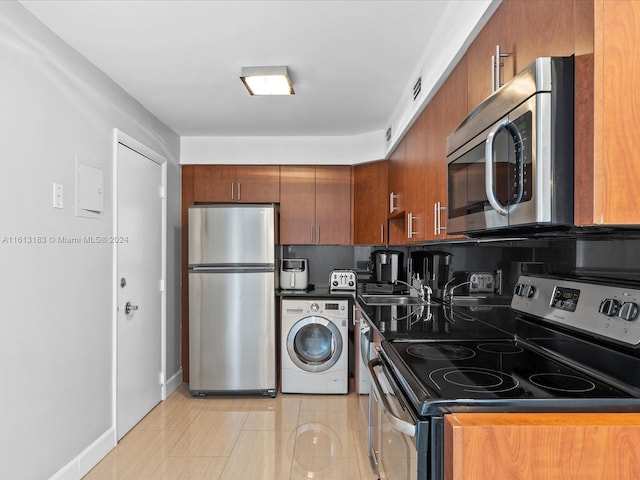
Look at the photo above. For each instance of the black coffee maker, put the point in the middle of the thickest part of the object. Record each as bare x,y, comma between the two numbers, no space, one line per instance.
388,267
433,269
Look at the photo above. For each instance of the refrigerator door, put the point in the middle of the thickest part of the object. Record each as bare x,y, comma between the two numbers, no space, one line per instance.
232,337
231,235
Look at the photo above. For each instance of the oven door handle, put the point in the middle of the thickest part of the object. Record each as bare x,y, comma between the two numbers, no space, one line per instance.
399,424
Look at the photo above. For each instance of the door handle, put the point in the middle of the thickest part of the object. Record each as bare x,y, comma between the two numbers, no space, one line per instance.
129,307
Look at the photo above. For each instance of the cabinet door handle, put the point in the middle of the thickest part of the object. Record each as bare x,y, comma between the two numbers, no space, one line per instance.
311,233
381,233
392,206
238,191
437,218
496,64
410,232
232,190
318,239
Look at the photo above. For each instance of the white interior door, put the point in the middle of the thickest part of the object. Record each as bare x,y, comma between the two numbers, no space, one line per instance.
139,274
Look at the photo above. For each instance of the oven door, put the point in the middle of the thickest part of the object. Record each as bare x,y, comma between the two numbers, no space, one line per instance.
397,429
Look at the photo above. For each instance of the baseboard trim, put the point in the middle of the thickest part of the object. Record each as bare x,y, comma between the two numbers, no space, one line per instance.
88,458
172,384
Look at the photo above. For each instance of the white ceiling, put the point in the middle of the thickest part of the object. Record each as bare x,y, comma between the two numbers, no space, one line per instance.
350,60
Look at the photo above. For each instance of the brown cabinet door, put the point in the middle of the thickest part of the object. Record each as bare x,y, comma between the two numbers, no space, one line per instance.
258,184
479,55
415,179
504,446
370,203
397,170
214,183
297,205
617,113
333,205
542,28
453,111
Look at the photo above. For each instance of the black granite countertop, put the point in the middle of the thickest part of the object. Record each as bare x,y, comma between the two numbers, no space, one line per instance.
321,291
438,321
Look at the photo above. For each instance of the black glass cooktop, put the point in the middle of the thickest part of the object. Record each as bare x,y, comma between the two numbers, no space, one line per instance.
462,375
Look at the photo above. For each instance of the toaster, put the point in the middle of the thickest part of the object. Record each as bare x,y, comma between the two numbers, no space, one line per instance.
294,274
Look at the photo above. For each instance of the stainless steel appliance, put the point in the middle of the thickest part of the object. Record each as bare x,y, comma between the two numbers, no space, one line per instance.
574,348
510,161
294,274
343,280
232,328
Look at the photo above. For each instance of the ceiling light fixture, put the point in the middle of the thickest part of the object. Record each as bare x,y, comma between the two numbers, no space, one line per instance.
267,80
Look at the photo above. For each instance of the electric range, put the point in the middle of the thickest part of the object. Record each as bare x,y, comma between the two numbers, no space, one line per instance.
575,349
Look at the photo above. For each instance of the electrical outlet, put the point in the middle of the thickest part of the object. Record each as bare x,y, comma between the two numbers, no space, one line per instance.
58,196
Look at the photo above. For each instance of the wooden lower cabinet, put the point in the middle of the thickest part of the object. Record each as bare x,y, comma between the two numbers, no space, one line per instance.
534,446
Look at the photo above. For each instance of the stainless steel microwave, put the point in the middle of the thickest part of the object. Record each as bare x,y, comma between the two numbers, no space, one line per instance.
510,161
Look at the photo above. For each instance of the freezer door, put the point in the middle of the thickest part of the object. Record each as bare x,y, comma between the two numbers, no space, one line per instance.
232,335
230,234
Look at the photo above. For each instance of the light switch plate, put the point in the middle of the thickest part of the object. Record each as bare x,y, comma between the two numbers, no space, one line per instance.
58,196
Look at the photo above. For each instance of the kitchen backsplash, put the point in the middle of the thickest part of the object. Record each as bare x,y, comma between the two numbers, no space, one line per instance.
593,255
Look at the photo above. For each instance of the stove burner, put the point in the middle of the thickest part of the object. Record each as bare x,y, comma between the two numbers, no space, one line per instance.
441,352
562,382
504,348
476,380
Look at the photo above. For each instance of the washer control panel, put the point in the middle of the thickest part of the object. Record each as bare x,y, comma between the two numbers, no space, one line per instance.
609,311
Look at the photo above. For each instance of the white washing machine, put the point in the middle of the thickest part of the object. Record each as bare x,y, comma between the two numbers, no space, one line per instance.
314,347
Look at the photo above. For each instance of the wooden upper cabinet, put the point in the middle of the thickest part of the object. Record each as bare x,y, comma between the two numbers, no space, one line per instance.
237,183
524,30
333,205
607,165
479,54
370,203
506,446
315,205
453,111
397,194
415,179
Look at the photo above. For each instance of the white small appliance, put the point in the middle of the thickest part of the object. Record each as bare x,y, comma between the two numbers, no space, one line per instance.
345,280
294,274
314,346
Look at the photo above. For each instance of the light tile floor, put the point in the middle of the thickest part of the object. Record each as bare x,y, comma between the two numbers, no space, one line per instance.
290,437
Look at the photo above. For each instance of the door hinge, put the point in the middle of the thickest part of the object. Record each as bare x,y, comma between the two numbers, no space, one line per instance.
161,378
162,284
162,192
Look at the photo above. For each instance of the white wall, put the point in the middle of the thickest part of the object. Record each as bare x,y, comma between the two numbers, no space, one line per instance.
451,45
319,150
55,329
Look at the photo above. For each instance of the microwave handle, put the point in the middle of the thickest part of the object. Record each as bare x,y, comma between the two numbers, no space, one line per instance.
488,158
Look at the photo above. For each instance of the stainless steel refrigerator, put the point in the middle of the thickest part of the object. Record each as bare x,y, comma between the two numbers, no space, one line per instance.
232,271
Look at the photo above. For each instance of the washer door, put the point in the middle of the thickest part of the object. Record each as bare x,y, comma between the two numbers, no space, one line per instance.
314,344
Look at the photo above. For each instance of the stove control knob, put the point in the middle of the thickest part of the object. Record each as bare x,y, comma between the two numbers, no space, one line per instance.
314,307
528,291
628,311
609,307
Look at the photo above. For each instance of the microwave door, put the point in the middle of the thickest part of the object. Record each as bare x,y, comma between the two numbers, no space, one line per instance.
469,209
